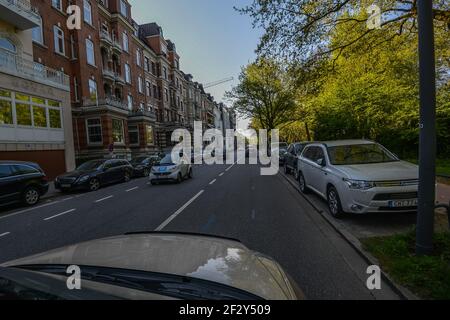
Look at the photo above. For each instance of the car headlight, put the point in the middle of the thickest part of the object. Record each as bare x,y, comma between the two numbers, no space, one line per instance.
84,179
359,184
139,167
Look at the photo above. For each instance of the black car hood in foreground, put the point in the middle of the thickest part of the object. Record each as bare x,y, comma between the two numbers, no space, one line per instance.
218,260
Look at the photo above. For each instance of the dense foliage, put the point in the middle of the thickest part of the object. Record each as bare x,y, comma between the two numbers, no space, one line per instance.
369,89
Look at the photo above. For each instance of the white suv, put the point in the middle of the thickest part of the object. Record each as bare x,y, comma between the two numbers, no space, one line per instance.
358,176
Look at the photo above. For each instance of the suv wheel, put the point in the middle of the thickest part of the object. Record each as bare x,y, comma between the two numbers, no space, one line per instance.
190,175
146,172
296,176
302,183
179,178
94,184
31,196
334,203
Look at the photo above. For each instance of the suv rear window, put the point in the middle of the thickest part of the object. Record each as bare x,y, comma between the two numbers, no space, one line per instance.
5,171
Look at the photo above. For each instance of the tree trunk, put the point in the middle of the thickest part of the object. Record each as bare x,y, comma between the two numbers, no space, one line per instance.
308,134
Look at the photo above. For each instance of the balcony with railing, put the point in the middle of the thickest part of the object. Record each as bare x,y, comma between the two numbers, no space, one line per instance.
15,65
107,102
108,74
19,13
142,113
105,37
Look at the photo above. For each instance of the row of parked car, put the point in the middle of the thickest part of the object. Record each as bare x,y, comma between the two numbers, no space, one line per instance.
353,176
26,182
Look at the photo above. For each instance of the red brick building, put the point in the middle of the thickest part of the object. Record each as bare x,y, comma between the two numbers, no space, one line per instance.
128,93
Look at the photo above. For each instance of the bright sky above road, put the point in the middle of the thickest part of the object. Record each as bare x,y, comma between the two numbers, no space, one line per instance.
213,40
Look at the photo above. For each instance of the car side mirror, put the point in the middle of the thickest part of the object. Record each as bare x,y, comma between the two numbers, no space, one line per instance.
321,162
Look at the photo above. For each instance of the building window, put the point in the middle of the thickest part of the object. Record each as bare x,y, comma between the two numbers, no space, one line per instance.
125,42
90,52
30,111
133,134
138,57
127,73
117,131
37,34
6,108
165,72
148,89
166,95
75,89
94,131
130,102
58,36
123,8
150,136
140,85
93,90
87,12
147,64
57,4
7,44
72,47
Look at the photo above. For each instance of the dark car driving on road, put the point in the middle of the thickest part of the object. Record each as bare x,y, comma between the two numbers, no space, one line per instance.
142,166
21,182
92,175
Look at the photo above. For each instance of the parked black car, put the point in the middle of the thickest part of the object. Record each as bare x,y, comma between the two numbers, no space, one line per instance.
21,182
283,147
94,174
291,157
142,166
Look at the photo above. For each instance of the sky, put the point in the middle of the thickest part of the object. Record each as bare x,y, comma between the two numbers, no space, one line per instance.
213,40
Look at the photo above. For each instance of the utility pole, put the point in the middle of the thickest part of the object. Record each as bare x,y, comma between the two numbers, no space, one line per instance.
427,179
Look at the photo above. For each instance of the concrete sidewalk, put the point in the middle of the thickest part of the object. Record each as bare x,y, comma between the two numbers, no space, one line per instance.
52,192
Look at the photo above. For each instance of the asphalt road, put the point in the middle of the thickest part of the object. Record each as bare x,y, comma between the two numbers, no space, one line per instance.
263,212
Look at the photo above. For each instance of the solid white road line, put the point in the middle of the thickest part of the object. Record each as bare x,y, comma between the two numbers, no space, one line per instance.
132,189
60,214
212,182
4,234
103,199
169,220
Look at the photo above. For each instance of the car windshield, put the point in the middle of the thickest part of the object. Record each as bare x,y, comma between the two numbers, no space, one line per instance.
90,165
359,154
166,161
138,160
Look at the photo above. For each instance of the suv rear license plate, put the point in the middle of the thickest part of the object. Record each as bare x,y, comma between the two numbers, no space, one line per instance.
66,186
403,203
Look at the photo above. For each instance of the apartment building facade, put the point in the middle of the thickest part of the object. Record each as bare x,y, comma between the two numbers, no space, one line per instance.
35,103
124,88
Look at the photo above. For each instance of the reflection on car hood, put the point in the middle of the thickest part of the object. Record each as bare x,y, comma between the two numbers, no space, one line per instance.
76,173
389,171
219,260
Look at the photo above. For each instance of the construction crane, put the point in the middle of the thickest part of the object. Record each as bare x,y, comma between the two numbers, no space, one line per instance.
216,83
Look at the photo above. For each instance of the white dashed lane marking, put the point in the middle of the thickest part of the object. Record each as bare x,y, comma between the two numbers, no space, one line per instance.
104,199
212,182
59,215
132,189
5,234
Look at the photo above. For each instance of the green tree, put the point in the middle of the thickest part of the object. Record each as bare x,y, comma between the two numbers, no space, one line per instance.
301,29
265,93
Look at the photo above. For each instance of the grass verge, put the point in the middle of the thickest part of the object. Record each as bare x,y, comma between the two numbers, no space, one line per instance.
428,277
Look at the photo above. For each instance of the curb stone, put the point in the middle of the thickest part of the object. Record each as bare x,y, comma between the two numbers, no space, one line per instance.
403,292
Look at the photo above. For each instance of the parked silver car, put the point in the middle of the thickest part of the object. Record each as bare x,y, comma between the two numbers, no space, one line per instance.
358,176
167,170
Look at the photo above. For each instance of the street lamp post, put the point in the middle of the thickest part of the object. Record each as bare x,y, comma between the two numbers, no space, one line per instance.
427,184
